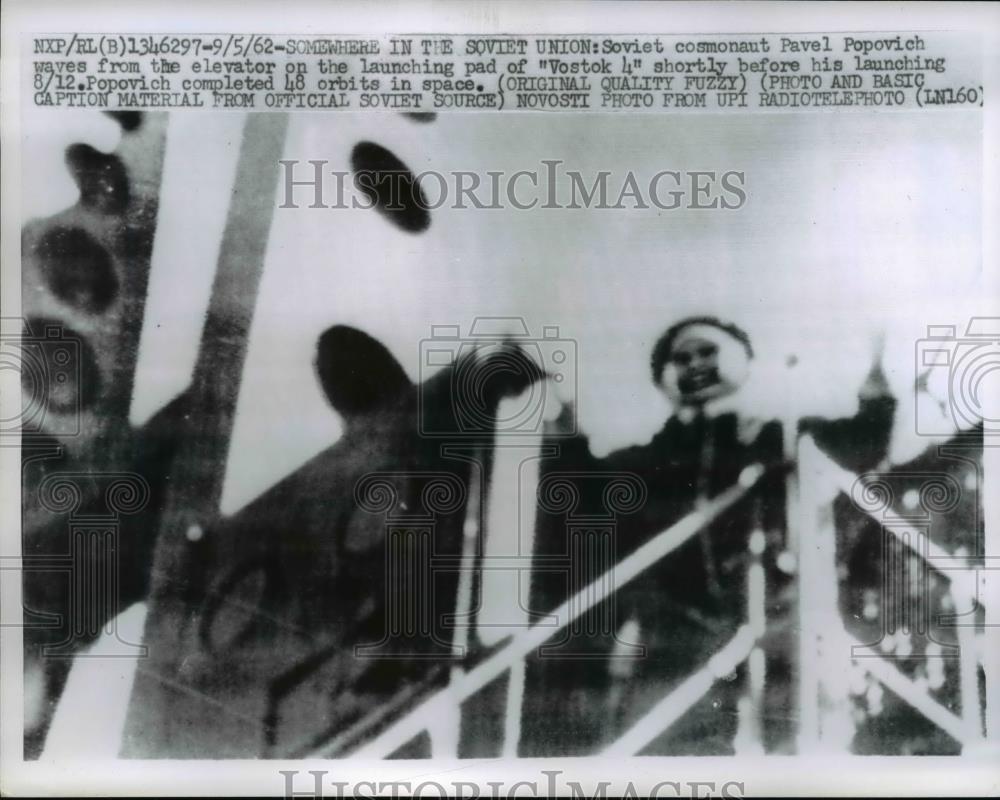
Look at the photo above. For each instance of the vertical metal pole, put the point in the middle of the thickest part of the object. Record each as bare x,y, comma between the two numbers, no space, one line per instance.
750,737
808,736
511,510
968,667
825,650
445,732
527,507
470,537
198,469
757,617
515,708
968,671
990,585
789,437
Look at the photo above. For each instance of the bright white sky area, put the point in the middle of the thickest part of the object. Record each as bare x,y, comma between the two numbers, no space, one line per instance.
854,223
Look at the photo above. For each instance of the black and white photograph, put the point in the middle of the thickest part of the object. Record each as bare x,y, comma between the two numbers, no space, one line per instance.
470,401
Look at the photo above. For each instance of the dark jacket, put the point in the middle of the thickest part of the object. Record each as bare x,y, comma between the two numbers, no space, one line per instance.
702,583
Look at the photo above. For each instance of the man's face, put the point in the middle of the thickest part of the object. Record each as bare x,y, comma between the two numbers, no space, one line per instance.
697,363
705,364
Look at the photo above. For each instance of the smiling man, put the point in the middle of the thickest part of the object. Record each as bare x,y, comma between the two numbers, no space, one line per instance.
685,606
701,360
700,364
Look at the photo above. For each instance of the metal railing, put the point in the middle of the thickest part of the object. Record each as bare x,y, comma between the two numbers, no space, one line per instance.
464,685
823,692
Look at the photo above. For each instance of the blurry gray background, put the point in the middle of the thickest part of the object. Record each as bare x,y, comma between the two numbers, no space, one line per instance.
855,223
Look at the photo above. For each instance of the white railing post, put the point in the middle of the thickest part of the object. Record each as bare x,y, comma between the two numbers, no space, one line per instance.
968,660
968,678
809,615
826,725
446,730
990,585
511,509
753,743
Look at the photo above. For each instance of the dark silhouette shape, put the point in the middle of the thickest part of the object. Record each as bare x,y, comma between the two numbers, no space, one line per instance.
78,269
357,372
391,187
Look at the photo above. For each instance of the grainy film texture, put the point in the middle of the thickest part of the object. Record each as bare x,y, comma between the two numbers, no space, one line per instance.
370,411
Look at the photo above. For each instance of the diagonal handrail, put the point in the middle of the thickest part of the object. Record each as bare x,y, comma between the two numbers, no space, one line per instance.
912,693
668,710
913,538
575,606
679,700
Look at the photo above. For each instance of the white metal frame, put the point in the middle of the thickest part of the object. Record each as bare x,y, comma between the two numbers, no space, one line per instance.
825,721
